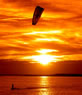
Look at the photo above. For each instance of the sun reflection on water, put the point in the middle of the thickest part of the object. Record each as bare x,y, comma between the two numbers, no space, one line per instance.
44,84
44,81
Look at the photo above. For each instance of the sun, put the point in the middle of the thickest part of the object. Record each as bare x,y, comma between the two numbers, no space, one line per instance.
43,59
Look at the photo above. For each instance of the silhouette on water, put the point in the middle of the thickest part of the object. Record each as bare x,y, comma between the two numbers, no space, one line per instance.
12,88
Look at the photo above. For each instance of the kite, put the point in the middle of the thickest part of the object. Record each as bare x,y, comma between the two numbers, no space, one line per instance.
37,14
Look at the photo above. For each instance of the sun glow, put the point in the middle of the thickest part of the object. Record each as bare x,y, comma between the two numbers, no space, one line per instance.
44,51
43,59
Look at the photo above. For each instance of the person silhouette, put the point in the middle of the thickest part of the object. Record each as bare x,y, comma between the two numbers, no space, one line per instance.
12,86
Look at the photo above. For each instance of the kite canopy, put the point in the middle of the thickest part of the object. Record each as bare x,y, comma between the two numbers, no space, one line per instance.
37,14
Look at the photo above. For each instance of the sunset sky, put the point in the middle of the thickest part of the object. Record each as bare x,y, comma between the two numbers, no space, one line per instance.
56,37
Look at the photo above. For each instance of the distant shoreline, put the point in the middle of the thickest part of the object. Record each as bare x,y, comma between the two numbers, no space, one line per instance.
66,75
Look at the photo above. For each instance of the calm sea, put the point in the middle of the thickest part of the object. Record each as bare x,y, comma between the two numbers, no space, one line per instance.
40,85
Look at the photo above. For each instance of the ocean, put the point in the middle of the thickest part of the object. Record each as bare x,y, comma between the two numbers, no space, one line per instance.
40,85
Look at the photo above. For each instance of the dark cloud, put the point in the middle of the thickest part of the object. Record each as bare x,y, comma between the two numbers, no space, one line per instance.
12,67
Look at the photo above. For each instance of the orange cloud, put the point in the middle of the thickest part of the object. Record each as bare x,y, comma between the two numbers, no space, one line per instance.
59,28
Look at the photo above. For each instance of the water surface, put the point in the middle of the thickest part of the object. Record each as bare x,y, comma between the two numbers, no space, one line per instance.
43,85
